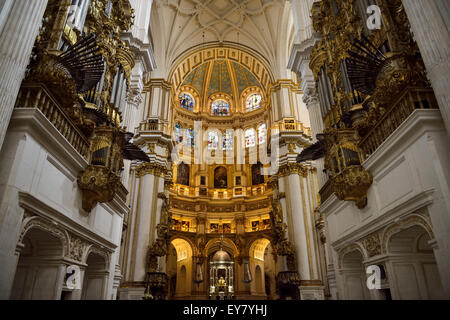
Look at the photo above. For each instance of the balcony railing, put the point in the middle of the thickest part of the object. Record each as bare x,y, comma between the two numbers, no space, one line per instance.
326,191
288,125
37,96
410,100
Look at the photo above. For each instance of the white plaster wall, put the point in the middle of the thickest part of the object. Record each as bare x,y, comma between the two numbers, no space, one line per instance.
34,161
411,170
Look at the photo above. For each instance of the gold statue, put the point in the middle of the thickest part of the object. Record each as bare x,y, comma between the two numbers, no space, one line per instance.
222,282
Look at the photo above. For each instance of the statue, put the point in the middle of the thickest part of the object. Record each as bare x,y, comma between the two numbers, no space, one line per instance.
222,282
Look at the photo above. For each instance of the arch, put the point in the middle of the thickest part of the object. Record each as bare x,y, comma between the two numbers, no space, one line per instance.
350,248
412,220
92,249
193,57
183,249
354,275
213,245
44,225
96,275
413,272
259,279
38,273
258,247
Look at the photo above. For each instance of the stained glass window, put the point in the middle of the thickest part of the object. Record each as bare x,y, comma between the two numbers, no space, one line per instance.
253,102
250,138
190,137
213,140
220,108
227,141
178,133
186,101
262,133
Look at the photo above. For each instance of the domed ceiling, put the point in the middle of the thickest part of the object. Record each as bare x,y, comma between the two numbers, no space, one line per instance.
265,26
221,76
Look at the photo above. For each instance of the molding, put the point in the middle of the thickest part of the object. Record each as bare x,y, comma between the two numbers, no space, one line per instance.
412,129
34,123
141,50
36,206
410,206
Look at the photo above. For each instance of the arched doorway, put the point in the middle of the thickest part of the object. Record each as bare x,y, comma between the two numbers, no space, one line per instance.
95,278
412,269
354,276
40,270
262,264
179,269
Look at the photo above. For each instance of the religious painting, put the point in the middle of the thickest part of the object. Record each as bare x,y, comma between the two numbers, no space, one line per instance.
226,228
257,177
220,178
176,224
183,174
255,225
202,180
185,226
266,224
238,180
214,227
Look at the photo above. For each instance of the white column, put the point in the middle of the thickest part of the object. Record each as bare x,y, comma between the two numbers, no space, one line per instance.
298,225
16,42
432,36
315,116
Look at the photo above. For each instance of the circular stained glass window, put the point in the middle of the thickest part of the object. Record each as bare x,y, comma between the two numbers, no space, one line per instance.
187,101
253,102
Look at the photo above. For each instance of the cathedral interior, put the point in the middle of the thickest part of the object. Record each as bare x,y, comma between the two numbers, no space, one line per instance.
224,149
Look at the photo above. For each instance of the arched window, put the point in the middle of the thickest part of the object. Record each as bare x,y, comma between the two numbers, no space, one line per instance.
227,140
186,101
213,140
253,102
262,133
250,138
178,132
183,174
220,178
190,137
220,108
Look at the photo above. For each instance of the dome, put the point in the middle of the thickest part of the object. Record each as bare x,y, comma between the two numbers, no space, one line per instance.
221,256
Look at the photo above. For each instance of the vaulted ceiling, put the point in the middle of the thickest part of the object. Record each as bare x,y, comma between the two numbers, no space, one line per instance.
265,26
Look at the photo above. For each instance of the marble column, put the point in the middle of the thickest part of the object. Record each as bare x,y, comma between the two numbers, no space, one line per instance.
315,116
297,224
16,42
432,35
